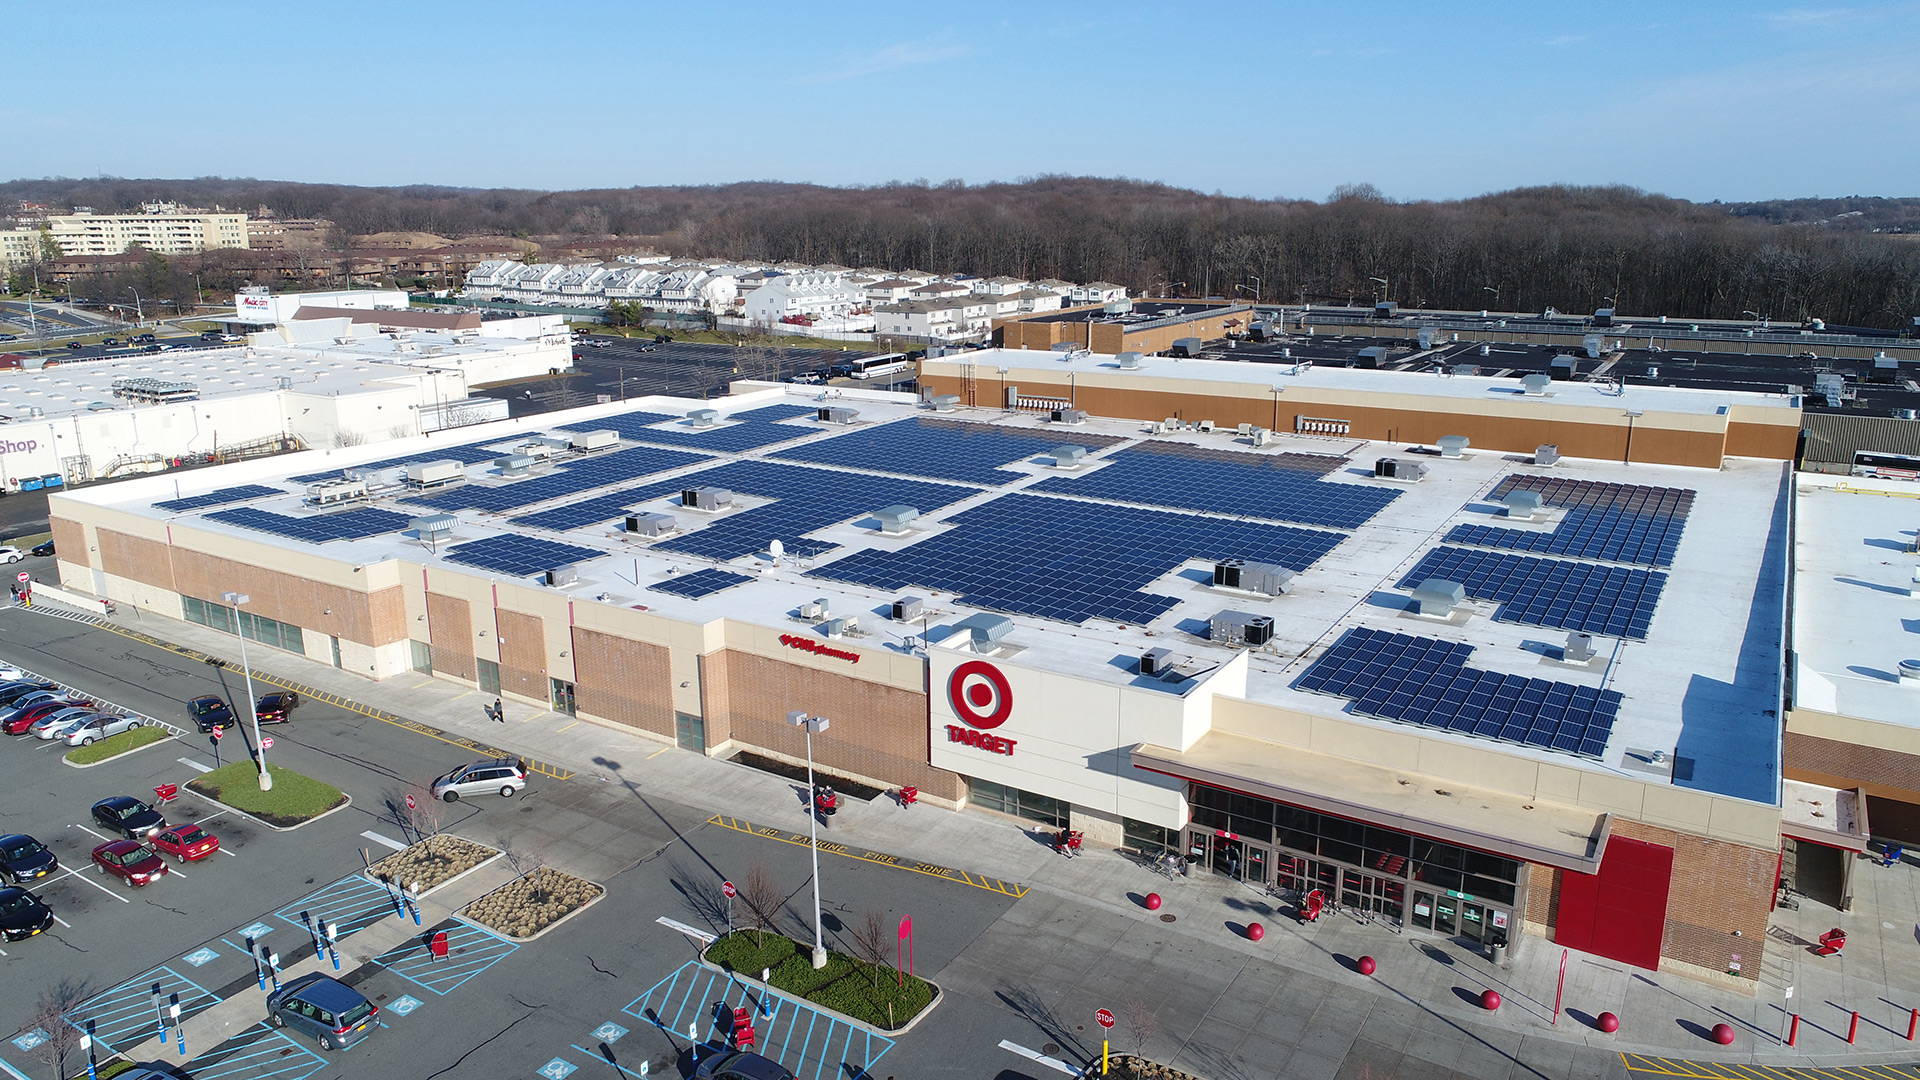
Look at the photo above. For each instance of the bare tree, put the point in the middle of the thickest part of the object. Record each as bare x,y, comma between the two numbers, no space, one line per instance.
870,940
1142,1024
62,1040
762,898
424,817
522,857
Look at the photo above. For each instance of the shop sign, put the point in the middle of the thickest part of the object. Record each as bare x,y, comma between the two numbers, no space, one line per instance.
980,695
807,644
1499,919
1421,909
1225,835
994,743
1461,895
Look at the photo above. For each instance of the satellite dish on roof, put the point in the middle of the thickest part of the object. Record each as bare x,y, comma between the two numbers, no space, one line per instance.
776,549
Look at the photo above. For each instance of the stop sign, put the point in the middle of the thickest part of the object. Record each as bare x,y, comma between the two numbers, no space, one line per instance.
727,888
266,742
411,805
23,576
1103,1017
216,733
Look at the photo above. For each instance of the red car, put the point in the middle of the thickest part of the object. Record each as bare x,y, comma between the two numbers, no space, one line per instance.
187,843
21,722
131,861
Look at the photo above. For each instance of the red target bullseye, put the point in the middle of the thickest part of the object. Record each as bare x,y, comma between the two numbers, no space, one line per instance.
979,694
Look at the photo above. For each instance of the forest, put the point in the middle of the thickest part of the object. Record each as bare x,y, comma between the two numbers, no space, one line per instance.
1567,247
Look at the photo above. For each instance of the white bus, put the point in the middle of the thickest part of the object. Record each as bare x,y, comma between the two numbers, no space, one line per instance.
876,367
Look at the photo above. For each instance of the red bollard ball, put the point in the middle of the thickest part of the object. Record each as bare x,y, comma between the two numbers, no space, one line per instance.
1366,965
1489,999
1607,1022
1723,1034
1153,901
1255,932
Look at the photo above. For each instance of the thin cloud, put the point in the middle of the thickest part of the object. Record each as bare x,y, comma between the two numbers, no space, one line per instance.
892,58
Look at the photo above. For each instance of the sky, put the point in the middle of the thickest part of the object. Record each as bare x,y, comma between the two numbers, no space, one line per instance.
1703,100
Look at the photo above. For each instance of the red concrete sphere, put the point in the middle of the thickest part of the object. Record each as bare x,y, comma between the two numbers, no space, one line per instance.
1255,932
1366,965
1607,1022
1489,999
1723,1034
1153,901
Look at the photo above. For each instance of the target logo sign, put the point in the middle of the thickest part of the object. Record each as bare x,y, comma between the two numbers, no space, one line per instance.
980,695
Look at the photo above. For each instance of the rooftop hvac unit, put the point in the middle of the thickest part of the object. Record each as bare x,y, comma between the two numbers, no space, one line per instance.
1260,330
816,608
1206,426
1187,347
1426,338
1603,317
651,524
1388,468
706,498
1593,345
895,519
562,575
1522,504
1466,369
908,608
1563,368
1240,628
841,627
433,473
985,632
1546,454
1119,307
1156,427
433,526
1437,597
593,440
1268,579
1579,648
1260,436
1451,445
1069,416
1156,662
1385,309
1535,384
837,414
336,492
1069,457
514,464
1129,361
1486,350
1371,357
944,402
703,417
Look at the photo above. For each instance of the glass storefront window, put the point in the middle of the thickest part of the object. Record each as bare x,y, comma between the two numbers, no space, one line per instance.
1021,804
1151,839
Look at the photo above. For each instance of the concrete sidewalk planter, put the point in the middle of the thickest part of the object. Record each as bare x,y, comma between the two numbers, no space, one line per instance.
529,906
437,861
295,800
1133,1067
116,746
871,995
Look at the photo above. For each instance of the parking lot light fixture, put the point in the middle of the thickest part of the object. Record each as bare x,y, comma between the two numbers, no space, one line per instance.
812,724
235,600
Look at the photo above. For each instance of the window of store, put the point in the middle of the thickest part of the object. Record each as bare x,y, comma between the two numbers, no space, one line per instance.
489,676
256,627
422,656
1147,838
1020,804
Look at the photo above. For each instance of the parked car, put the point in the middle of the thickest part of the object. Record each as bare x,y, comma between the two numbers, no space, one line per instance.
99,726
740,1065
9,553
11,675
22,858
18,688
599,344
208,712
48,727
33,710
43,550
131,861
129,817
277,707
187,843
335,1014
504,775
22,915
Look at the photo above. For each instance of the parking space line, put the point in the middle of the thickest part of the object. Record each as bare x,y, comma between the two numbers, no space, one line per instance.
74,872
127,1011
471,950
258,1053
195,765
959,877
62,921
84,829
209,817
386,840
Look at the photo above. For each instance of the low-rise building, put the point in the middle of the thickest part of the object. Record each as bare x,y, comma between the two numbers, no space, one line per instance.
797,295
954,319
1097,292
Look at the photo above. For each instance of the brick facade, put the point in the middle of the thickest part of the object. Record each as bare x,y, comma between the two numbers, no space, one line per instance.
450,633
625,681
523,654
146,561
70,542
1889,774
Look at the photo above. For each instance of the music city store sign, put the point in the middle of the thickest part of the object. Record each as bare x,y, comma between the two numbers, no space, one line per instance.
1067,736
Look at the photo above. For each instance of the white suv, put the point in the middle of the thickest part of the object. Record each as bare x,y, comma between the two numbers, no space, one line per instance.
504,775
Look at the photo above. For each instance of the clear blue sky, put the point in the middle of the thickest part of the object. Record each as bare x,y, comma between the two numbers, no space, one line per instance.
1704,99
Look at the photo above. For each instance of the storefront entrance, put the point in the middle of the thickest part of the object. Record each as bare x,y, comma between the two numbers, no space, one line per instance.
1452,915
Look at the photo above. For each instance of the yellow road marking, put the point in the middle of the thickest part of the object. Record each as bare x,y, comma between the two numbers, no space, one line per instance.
879,858
565,727
1726,1070
656,753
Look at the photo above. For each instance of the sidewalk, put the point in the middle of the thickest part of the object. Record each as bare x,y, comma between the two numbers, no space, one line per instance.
1660,1013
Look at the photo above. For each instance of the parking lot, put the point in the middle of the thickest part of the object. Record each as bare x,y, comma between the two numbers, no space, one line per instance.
623,368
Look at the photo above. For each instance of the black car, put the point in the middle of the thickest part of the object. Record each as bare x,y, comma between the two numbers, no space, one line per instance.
110,341
75,345
22,915
209,712
43,550
23,858
277,707
740,1065
12,692
129,817
143,338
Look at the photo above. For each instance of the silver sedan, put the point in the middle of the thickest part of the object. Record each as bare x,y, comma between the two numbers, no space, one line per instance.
90,729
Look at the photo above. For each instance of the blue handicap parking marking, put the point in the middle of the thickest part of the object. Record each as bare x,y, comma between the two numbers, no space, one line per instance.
353,903
27,1040
812,1044
256,931
258,1053
403,1004
125,1015
609,1032
557,1069
471,949
202,956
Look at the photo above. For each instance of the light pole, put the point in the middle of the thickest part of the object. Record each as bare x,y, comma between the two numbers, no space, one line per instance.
139,315
1382,282
234,600
811,724
1496,295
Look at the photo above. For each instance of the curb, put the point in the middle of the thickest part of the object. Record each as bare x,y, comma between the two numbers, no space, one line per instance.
345,802
118,756
497,854
939,995
543,931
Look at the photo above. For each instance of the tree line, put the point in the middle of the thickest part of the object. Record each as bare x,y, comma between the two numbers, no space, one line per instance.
1571,248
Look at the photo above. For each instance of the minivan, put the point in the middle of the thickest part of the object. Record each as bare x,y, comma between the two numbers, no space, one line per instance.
335,1014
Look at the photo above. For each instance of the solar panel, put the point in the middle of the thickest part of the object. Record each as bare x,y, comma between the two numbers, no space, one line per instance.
1422,681
1070,560
737,433
1612,600
516,555
315,528
701,583
941,449
1278,487
569,477
466,454
1625,523
216,498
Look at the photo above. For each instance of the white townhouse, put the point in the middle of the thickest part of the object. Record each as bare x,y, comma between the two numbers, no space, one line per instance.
803,294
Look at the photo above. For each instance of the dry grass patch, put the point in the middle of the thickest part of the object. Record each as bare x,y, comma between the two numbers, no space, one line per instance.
527,905
432,862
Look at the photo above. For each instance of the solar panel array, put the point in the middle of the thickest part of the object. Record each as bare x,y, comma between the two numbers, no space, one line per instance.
806,500
466,454
315,528
942,449
1612,600
740,432
217,498
1070,560
567,478
701,583
1279,487
1626,523
518,556
1418,680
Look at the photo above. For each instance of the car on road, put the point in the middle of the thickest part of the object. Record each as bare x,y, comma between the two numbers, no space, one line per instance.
48,727
506,776
335,1014
131,861
92,729
43,550
142,338
208,712
599,344
187,843
35,709
75,345
22,858
109,341
22,915
277,707
128,816
9,553
9,337
741,1065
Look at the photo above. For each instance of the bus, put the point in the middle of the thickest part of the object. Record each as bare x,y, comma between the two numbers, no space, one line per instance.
1886,466
875,367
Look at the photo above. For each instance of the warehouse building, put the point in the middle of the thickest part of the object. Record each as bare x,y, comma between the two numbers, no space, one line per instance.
1122,325
1478,693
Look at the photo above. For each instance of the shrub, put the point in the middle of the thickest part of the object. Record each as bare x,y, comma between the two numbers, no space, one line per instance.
527,905
431,862
870,993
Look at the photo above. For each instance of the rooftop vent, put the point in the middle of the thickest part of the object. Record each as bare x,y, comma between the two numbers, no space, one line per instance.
1579,648
1486,350
1435,596
1451,445
562,575
1910,672
649,524
895,519
944,402
1546,454
837,414
908,608
1129,361
1535,384
1156,662
703,418
985,632
593,440
1388,468
1240,628
710,499
514,464
1069,457
1268,579
1522,504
